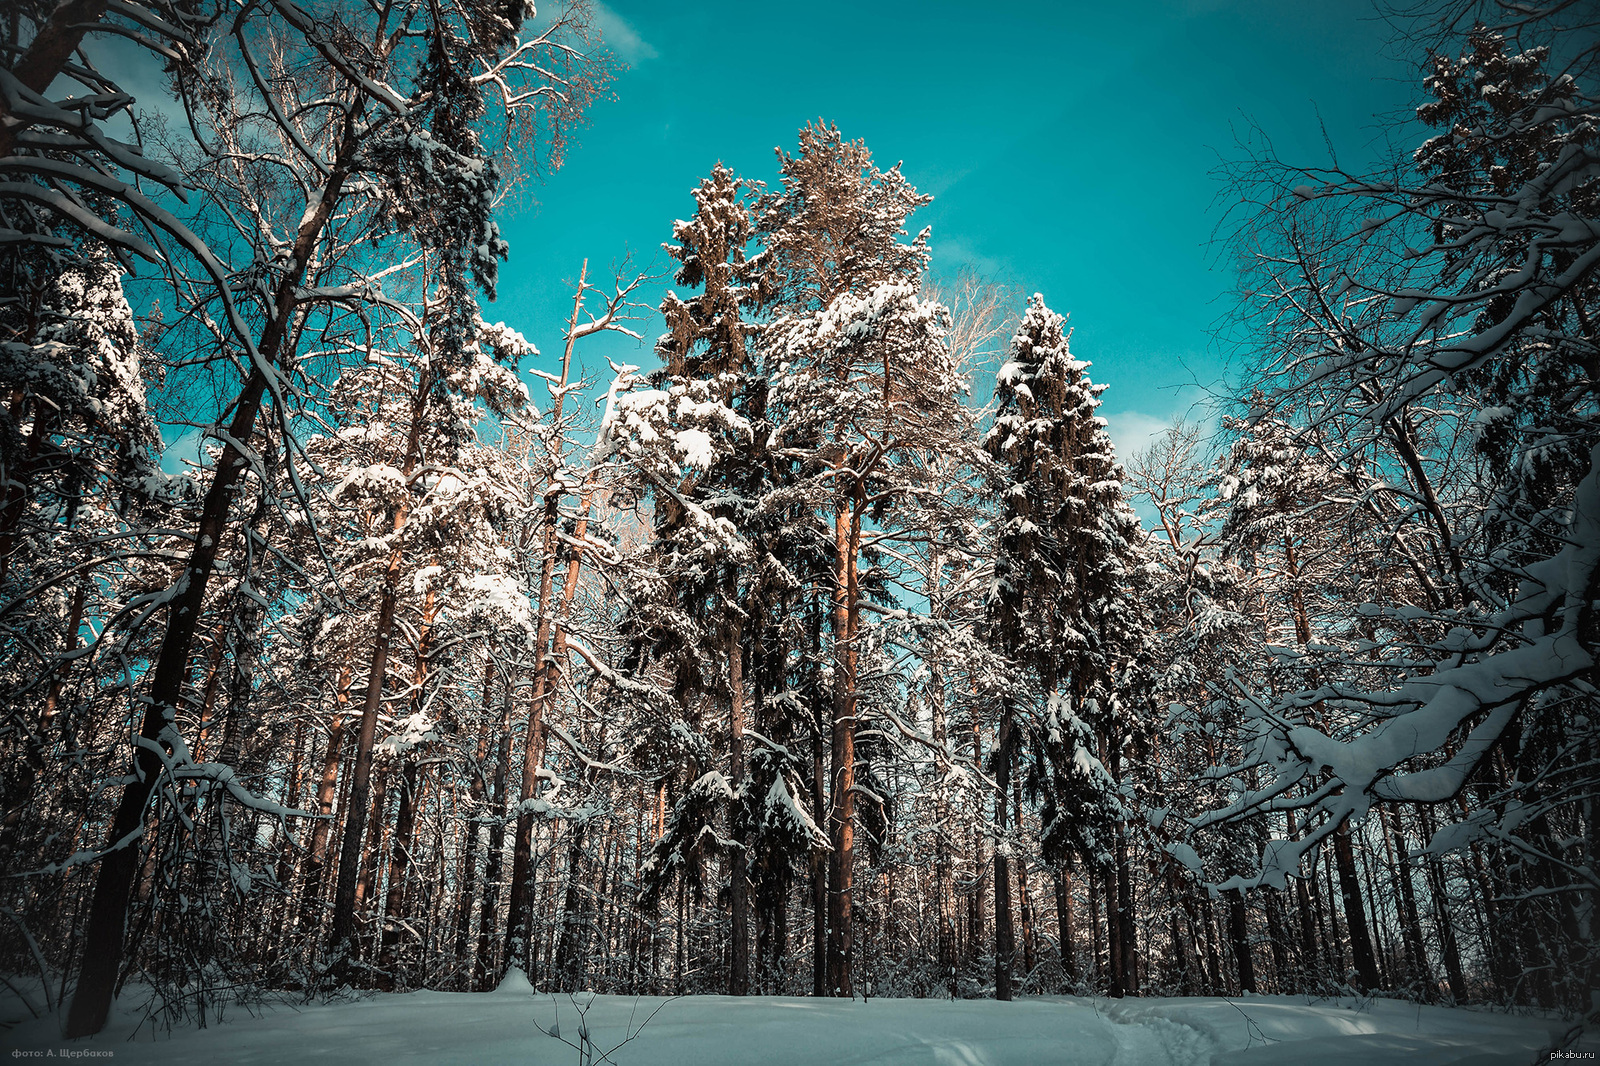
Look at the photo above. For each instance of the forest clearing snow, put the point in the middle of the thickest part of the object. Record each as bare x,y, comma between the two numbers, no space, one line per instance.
512,1024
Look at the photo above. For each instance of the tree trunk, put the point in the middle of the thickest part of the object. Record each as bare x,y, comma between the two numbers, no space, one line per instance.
1411,921
1355,915
819,875
1069,953
399,859
567,960
1005,947
1239,933
469,848
1278,935
1449,949
1030,957
1127,930
108,912
47,54
311,879
842,811
490,914
738,887
1382,950
1096,942
355,824
365,886
405,822
1114,954
519,919
978,902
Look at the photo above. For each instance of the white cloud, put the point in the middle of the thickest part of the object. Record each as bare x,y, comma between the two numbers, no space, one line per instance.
1134,431
621,36
952,253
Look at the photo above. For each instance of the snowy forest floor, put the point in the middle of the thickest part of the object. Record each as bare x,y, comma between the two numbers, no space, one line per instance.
506,1027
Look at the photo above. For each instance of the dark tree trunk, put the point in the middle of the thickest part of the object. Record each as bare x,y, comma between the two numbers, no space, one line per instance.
108,912
1096,937
1239,933
469,849
1005,947
1127,931
311,901
1417,969
1030,957
738,887
1354,914
47,54
405,819
568,963
399,861
1278,935
489,916
1069,954
1114,954
819,875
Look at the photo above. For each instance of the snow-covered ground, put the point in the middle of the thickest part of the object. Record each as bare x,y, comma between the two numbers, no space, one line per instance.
505,1027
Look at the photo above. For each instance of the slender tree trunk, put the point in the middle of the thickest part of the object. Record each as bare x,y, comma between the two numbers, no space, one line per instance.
285,874
1239,933
944,890
1355,915
103,935
1005,947
399,859
1382,949
405,821
365,886
519,919
1096,943
819,811
567,949
1069,953
355,825
469,848
484,964
841,819
1308,921
738,888
1333,935
1278,935
1030,957
978,902
47,54
1411,921
1449,949
316,859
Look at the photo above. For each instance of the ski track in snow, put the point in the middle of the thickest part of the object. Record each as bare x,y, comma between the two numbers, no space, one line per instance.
1156,1040
438,1028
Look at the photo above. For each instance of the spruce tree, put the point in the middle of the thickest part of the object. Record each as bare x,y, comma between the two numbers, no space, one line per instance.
1066,550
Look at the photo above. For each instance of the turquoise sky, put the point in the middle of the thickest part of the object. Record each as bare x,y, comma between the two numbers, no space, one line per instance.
1069,148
